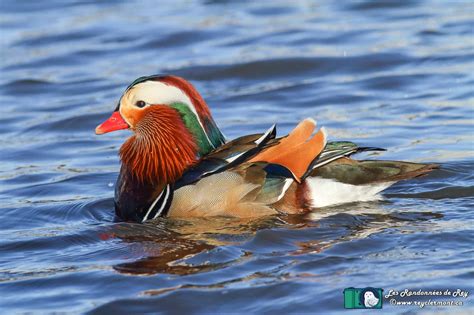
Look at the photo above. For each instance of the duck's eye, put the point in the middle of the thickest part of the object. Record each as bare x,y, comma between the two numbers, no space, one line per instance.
140,104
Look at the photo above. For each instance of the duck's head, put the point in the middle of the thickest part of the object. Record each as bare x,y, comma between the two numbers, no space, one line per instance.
172,127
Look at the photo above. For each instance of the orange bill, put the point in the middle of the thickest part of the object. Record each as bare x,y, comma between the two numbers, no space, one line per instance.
115,122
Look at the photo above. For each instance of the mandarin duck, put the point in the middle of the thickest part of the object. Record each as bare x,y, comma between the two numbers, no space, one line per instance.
177,163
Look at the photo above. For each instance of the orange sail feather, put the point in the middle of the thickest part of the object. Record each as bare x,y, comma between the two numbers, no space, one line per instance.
297,150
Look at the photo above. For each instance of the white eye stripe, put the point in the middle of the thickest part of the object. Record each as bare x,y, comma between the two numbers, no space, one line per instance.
156,92
121,112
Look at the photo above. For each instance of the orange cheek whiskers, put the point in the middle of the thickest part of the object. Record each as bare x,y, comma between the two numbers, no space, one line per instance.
162,148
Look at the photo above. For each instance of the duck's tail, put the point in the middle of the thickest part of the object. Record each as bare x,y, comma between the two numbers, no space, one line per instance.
346,180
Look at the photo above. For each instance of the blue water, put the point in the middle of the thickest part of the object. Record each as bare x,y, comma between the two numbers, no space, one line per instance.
392,74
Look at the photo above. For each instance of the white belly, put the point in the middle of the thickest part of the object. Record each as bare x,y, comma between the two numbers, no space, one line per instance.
327,192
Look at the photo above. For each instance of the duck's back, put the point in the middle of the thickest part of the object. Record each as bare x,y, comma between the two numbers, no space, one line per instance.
259,175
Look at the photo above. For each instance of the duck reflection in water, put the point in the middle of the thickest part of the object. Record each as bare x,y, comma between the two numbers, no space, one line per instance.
184,247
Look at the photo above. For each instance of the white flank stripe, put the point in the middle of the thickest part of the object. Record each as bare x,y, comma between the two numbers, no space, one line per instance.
163,204
153,205
287,184
330,160
232,159
259,140
327,192
327,152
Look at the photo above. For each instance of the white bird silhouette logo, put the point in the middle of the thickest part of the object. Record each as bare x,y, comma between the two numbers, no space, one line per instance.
370,300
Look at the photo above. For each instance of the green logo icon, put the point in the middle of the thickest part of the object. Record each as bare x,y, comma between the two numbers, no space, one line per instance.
363,298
